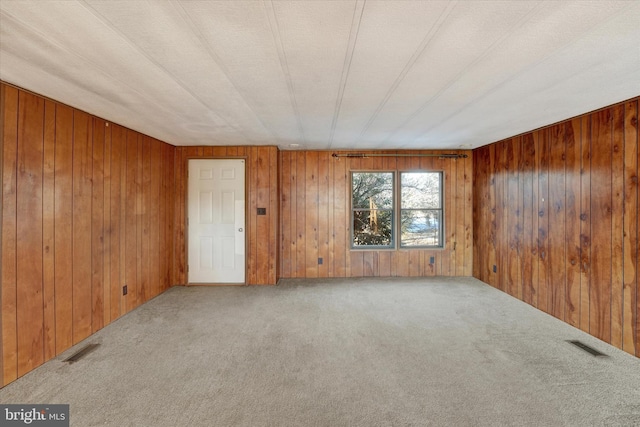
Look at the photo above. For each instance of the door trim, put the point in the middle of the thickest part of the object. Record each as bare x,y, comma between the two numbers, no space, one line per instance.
186,217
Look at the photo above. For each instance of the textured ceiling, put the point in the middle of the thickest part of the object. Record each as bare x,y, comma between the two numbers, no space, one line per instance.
325,74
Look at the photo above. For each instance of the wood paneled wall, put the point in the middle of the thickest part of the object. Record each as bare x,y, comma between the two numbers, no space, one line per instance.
87,207
315,218
262,192
556,213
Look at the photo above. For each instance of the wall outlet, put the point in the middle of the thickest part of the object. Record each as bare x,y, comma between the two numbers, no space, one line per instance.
124,290
495,268
432,260
262,211
320,261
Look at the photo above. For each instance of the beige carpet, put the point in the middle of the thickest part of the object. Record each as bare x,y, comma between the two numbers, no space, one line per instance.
367,352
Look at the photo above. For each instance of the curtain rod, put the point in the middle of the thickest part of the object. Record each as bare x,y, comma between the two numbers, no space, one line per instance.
365,155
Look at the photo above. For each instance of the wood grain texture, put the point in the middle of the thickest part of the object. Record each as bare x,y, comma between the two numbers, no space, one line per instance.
48,230
3,91
617,223
9,235
97,227
572,224
557,211
63,237
529,218
315,200
262,191
64,193
585,221
81,269
29,254
631,221
544,265
601,225
579,185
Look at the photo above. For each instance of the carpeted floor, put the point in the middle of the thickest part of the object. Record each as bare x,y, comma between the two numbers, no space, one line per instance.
363,352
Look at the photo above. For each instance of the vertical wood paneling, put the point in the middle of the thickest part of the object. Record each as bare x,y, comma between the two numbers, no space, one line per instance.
468,217
617,224
252,219
585,222
117,154
29,300
286,243
579,184
301,254
601,223
2,119
318,197
514,209
501,214
457,215
529,215
311,210
153,219
262,230
341,218
63,226
572,223
630,343
495,217
130,222
107,230
136,297
81,268
293,217
64,192
180,206
9,99
48,224
323,228
544,273
557,229
144,290
273,191
97,227
263,255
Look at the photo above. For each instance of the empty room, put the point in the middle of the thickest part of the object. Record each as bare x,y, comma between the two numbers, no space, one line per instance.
319,213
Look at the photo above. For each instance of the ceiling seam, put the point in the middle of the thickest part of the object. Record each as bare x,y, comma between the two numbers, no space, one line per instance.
416,55
465,69
284,65
216,58
70,52
106,21
536,64
346,68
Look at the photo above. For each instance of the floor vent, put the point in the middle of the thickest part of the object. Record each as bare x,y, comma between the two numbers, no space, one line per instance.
588,349
81,353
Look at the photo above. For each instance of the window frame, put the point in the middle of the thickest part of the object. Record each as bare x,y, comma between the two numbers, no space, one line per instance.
441,226
393,209
396,212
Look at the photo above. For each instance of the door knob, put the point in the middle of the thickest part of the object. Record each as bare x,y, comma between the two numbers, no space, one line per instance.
240,229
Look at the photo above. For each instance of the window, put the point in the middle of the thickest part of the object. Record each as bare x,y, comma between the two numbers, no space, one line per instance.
420,209
374,204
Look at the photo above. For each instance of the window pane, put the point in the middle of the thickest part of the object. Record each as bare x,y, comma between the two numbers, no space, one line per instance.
372,228
372,190
420,190
420,227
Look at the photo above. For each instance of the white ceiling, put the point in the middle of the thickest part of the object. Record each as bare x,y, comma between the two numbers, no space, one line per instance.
325,74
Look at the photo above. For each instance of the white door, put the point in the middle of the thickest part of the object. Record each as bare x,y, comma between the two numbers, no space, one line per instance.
216,221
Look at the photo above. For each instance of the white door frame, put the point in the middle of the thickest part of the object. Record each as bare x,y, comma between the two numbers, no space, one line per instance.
186,219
